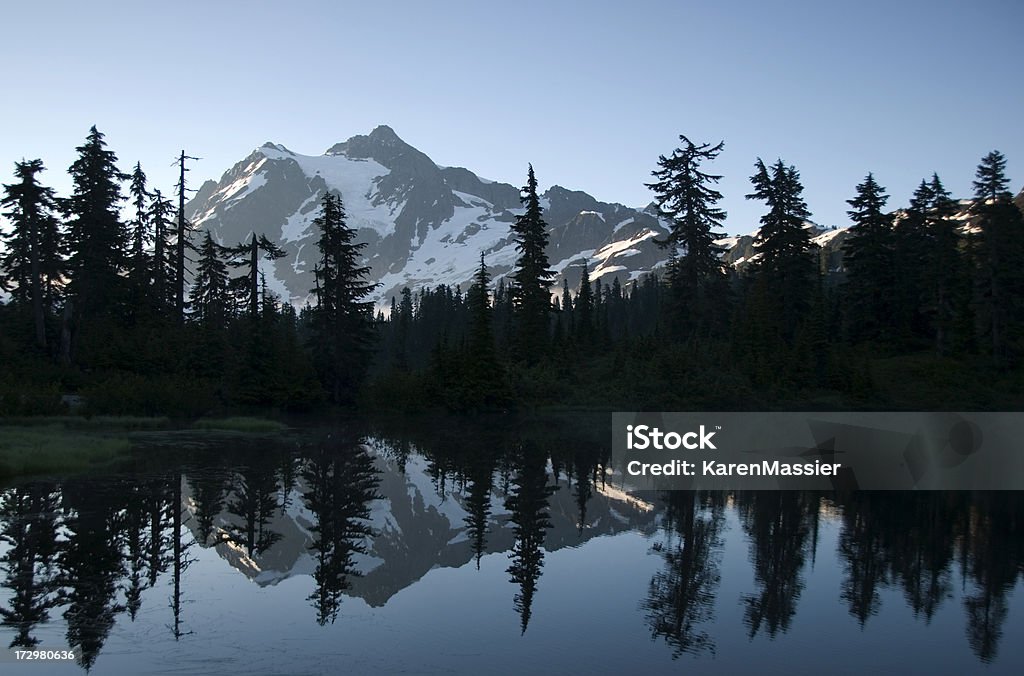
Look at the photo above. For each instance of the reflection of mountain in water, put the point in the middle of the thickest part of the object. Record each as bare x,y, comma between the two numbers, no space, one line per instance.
369,520
417,525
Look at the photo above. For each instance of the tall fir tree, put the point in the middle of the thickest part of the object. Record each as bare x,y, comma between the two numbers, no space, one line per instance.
32,265
868,256
484,373
532,276
787,264
140,237
911,246
210,299
161,210
945,282
97,239
998,248
686,196
583,329
342,320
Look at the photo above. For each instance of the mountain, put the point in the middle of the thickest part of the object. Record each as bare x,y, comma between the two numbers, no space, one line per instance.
424,224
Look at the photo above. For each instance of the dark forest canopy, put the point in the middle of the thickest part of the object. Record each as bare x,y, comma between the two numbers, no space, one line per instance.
926,307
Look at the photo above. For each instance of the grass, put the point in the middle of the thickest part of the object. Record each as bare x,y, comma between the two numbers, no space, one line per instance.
925,381
42,449
56,444
98,422
240,424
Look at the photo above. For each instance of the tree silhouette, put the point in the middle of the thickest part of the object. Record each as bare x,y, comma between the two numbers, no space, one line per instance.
779,525
29,529
528,503
91,566
532,276
96,238
686,196
681,597
342,329
341,481
33,262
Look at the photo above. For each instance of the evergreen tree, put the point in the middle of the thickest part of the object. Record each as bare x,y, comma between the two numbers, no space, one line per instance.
97,239
567,308
210,299
532,275
141,235
870,264
999,249
342,329
990,181
404,319
945,274
248,256
33,260
686,197
786,263
160,213
484,372
584,327
911,247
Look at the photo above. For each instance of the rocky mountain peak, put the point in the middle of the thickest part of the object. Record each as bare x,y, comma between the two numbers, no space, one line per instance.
382,145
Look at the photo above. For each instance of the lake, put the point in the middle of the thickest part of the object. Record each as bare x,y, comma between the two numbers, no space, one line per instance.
494,546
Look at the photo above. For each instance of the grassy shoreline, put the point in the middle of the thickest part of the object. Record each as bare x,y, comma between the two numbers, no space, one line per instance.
57,444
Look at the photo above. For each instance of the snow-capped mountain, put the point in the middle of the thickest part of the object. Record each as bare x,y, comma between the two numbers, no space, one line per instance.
424,224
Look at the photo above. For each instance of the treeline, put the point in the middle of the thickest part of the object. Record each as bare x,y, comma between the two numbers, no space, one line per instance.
927,308
139,314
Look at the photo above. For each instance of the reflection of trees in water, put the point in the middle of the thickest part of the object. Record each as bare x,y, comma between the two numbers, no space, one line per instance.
478,505
862,549
995,549
88,549
924,529
179,553
781,527
254,501
681,597
913,539
91,565
29,528
136,527
341,480
584,470
209,489
528,503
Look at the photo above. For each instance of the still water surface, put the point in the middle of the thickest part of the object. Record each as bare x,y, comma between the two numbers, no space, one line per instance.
495,548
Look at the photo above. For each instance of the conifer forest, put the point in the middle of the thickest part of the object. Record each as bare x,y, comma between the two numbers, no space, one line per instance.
115,304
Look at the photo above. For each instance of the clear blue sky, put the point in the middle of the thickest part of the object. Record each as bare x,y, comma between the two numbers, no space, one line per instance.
590,92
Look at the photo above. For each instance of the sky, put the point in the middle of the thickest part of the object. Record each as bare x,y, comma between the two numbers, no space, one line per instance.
590,92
